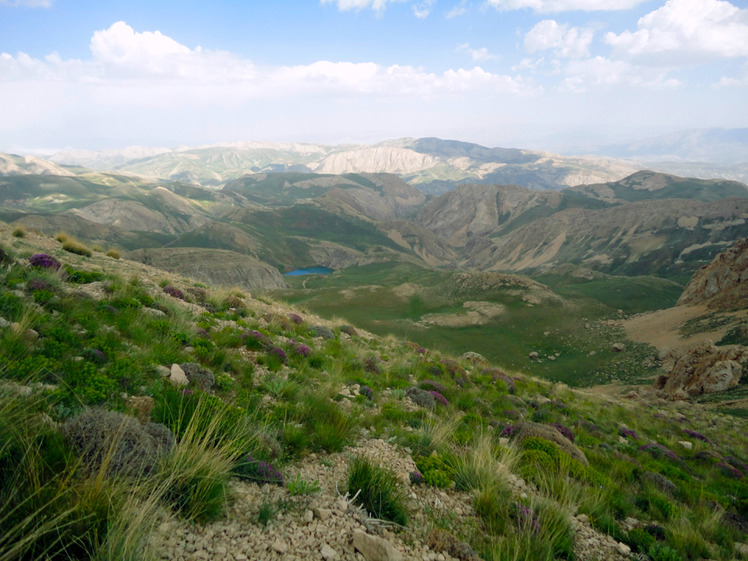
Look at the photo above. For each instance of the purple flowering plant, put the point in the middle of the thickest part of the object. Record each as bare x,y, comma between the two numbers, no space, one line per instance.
258,471
174,292
44,261
367,392
439,398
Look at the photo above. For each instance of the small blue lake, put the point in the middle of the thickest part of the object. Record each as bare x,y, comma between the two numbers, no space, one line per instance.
309,271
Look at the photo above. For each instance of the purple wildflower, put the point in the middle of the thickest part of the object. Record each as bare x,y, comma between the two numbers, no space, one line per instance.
256,340
174,292
421,350
44,261
507,431
526,518
628,433
659,449
430,385
416,478
279,353
439,398
258,471
367,392
697,436
296,318
566,431
186,392
300,349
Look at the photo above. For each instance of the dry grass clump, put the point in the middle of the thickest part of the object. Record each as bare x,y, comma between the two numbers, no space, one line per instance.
72,245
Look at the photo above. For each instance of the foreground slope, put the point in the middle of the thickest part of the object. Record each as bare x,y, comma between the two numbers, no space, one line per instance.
293,417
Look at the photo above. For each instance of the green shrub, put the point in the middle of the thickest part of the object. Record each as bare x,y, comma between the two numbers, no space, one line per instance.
377,490
639,540
436,471
300,486
662,552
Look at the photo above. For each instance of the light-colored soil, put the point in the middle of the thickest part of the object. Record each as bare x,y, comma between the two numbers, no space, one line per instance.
662,328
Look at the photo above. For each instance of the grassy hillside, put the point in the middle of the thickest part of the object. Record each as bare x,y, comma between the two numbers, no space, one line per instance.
135,406
571,324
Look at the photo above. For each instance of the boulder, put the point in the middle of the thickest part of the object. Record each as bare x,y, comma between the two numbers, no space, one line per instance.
374,548
177,376
700,369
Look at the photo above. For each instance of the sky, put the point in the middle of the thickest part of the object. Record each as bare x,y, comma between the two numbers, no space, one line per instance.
558,75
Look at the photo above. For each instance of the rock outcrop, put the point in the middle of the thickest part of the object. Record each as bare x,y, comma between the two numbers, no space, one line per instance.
704,368
723,284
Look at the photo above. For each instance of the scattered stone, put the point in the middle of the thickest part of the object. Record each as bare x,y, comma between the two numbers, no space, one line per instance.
741,549
4,323
308,516
322,513
328,553
374,548
163,371
533,355
686,444
279,546
177,376
618,347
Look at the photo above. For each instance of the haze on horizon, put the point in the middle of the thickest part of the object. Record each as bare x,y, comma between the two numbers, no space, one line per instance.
546,74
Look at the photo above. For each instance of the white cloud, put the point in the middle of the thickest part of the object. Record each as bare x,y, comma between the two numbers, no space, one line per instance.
600,72
27,3
357,5
153,70
554,6
423,9
685,32
459,10
567,42
478,55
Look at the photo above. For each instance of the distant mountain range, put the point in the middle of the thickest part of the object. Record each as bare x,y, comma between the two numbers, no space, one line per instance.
246,229
433,165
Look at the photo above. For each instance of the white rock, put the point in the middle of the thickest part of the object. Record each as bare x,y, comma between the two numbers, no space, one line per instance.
322,513
177,376
308,516
328,553
622,548
163,371
279,546
4,323
374,548
686,444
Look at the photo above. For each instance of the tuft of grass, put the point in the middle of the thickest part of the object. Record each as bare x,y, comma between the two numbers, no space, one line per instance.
300,486
484,464
196,473
378,490
19,233
72,245
113,253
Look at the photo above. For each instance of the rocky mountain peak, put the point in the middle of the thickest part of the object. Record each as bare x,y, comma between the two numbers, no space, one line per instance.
723,284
